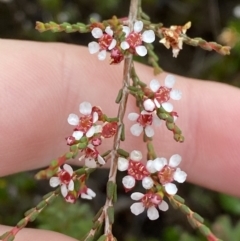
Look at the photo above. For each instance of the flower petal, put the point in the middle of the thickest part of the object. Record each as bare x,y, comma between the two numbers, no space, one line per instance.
159,163
90,162
147,182
71,185
64,190
77,135
85,196
81,158
133,116
148,36
109,31
102,55
85,108
90,132
136,155
157,103
98,129
176,94
138,26
170,188
163,206
112,44
137,196
150,166
95,117
180,176
126,30
68,168
73,119
97,32
154,85
54,181
137,208
124,45
123,164
169,81
149,131
101,160
141,50
91,193
93,47
136,129
152,213
128,182
167,106
175,160
149,105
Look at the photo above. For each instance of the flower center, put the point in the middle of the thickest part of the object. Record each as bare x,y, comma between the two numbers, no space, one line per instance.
163,94
137,170
145,120
166,175
89,152
151,199
134,39
105,41
65,177
71,197
109,129
85,123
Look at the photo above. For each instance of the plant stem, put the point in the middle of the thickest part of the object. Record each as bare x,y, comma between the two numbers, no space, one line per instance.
128,62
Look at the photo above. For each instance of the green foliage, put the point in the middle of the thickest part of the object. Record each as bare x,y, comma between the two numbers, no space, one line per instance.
74,220
230,204
225,230
14,197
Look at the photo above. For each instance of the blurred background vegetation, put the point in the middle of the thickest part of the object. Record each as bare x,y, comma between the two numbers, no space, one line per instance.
213,20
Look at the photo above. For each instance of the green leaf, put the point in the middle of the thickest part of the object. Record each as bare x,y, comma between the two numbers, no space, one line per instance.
230,204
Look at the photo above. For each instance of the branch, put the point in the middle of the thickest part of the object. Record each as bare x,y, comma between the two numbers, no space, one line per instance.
134,6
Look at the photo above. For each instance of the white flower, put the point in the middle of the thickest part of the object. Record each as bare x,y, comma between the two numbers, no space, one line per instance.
88,194
92,157
163,94
123,163
149,200
105,42
134,39
89,119
64,179
144,122
168,172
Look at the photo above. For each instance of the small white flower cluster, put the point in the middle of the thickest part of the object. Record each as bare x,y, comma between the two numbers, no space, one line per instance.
94,127
147,117
64,179
105,42
86,128
167,172
154,201
133,40
158,172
